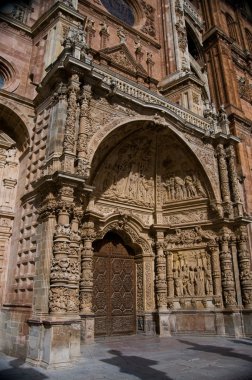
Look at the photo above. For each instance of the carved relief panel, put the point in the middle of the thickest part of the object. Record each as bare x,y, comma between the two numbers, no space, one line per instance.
149,168
192,274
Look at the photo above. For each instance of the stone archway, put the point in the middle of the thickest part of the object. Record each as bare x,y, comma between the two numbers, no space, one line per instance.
114,289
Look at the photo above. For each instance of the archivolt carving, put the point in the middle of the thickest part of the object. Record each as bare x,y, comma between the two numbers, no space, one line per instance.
128,234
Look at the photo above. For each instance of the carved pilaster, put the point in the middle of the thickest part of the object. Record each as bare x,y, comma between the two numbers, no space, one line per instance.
86,283
69,133
224,180
244,267
227,272
161,283
140,286
216,272
82,167
234,180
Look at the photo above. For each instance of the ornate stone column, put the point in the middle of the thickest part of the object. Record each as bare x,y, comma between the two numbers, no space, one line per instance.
69,133
224,180
83,168
56,318
86,283
65,267
216,272
169,274
234,181
227,273
161,284
244,267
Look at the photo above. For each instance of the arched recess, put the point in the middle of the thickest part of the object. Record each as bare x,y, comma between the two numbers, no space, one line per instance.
135,132
15,124
14,141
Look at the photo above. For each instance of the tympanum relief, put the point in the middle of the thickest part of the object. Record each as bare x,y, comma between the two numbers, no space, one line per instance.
149,168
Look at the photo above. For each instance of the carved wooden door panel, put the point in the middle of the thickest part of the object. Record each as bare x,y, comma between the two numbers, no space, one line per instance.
114,289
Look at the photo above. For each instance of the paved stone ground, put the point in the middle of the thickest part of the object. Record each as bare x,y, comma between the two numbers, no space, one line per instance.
148,358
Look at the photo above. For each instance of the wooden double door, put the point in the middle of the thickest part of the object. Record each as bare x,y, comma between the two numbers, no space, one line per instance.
114,297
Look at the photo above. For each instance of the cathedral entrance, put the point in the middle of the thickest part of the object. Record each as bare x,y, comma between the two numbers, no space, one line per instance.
114,287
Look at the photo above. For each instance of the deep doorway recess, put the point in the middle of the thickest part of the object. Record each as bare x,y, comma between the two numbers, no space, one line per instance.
114,287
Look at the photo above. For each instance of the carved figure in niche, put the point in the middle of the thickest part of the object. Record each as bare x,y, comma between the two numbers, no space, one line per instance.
191,191
199,282
182,188
178,283
191,281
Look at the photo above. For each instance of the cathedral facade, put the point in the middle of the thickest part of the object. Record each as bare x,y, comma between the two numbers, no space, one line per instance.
125,168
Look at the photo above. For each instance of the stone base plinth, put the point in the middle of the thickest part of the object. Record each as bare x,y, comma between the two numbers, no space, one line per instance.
146,324
233,323
247,322
165,323
53,344
87,328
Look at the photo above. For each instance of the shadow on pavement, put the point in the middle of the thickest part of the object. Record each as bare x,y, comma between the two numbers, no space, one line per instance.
135,365
247,342
224,351
19,373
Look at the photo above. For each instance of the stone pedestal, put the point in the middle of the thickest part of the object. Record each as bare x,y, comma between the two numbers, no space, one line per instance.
233,324
247,322
53,344
164,323
220,324
149,324
87,329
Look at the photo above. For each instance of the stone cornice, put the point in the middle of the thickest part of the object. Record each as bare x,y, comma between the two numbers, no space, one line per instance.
46,18
17,98
118,85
